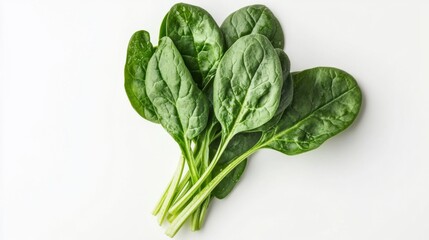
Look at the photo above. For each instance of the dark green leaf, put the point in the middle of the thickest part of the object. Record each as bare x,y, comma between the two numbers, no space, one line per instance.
139,52
287,89
225,187
247,86
162,29
286,94
326,101
180,104
253,19
238,145
198,38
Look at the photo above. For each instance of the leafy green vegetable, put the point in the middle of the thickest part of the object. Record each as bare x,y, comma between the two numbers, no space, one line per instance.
181,106
247,85
244,141
253,19
326,101
198,38
223,94
139,52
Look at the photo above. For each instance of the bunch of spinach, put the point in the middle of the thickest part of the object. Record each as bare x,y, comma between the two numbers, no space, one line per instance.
225,92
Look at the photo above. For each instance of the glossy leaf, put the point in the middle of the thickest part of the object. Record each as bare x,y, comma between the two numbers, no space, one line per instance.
253,19
139,52
197,37
247,86
179,103
326,101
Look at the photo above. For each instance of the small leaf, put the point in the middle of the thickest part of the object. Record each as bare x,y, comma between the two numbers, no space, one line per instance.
139,52
253,19
197,37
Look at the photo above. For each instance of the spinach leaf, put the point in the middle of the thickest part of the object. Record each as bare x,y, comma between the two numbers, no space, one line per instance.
286,94
197,37
253,19
181,106
244,141
247,86
139,52
326,101
238,145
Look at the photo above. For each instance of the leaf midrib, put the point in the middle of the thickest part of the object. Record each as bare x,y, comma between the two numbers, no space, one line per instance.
247,92
284,132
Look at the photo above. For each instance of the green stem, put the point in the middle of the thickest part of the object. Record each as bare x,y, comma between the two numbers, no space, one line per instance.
195,220
204,210
203,194
161,200
182,201
190,160
183,187
205,205
202,157
171,217
171,191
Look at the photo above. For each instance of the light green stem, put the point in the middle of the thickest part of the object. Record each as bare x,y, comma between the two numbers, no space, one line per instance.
161,200
182,201
195,220
171,191
204,210
190,160
203,194
184,186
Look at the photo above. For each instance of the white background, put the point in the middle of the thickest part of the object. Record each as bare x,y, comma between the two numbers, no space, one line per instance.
78,163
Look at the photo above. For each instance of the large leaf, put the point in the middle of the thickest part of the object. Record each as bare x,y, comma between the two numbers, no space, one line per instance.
326,101
180,104
247,86
197,37
253,19
139,52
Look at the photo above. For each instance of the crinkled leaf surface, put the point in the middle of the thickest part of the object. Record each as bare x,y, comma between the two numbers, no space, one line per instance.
286,93
247,86
180,104
326,101
197,37
139,52
253,19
